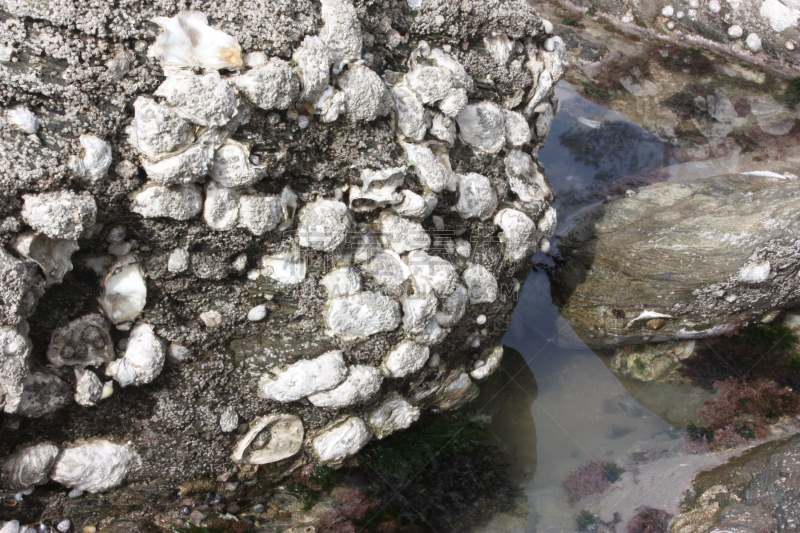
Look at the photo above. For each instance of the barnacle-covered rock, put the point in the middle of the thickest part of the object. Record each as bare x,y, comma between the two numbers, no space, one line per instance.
313,62
83,342
432,273
16,348
289,268
341,440
95,465
43,393
416,206
482,126
481,285
143,358
366,96
431,172
61,214
269,439
402,235
476,197
304,377
393,414
404,359
158,129
324,225
205,100
452,308
341,281
260,214
387,268
94,162
418,310
378,189
88,388
431,84
519,234
24,119
410,113
221,208
362,383
342,30
124,291
54,256
271,86
188,41
362,314
27,467
188,166
231,166
486,366
180,202
457,390
518,131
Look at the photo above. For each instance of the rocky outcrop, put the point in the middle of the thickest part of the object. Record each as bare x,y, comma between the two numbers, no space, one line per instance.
682,260
405,139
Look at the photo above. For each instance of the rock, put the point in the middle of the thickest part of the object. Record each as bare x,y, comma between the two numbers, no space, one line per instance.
143,358
362,383
88,388
92,466
60,215
228,420
179,261
43,393
257,313
27,467
270,439
614,260
340,441
304,378
391,415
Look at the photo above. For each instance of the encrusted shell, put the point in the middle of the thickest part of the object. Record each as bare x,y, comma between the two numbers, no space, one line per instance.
432,273
361,385
341,440
342,30
270,439
221,208
482,126
83,342
324,225
307,376
54,256
206,100
402,235
378,189
404,359
124,291
481,284
387,269
362,314
61,214
188,166
476,197
188,41
143,358
92,466
274,85
366,95
260,214
180,202
231,166
157,129
313,62
27,467
393,414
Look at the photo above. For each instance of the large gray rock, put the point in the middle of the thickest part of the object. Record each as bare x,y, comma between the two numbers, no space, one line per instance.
681,260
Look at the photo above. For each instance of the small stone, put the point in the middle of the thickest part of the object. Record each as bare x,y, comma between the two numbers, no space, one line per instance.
228,420
75,493
257,313
790,45
64,526
679,15
90,529
668,11
178,261
670,25
481,320
753,42
735,31
714,6
177,353
548,26
211,319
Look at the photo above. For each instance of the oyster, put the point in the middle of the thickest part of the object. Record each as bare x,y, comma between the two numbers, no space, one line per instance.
260,214
341,282
96,159
362,383
27,467
482,126
60,215
362,314
180,202
324,225
313,62
393,414
231,166
95,465
83,342
143,358
289,268
304,377
387,269
54,256
342,30
476,197
188,41
432,273
341,440
418,310
124,291
481,285
366,96
404,359
158,129
221,208
274,85
205,100
402,235
270,439
519,234
410,113
452,308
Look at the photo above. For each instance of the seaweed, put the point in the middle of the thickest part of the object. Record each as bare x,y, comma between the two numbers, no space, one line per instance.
585,521
592,478
649,520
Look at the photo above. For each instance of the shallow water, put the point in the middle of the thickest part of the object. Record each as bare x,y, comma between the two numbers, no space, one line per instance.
555,404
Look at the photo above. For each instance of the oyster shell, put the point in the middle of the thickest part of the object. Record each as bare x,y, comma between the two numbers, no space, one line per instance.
188,41
270,439
124,291
83,342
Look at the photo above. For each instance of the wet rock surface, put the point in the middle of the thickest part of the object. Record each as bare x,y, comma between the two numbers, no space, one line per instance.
176,248
681,260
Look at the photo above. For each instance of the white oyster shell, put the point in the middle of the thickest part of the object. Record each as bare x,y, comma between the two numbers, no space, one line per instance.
124,291
96,158
430,83
416,206
432,334
304,377
341,440
476,197
342,30
378,189
481,285
393,414
60,215
206,100
16,348
231,166
362,314
461,79
88,388
499,46
27,467
274,85
221,208
432,273
330,104
92,466
180,202
387,269
457,390
158,129
452,308
289,207
410,113
454,102
418,310
143,358
324,225
402,235
188,41
188,166
404,359
289,268
431,172
519,233
518,132
260,214
24,119
270,439
362,383
443,128
341,282
366,95
525,180
482,126
83,342
490,364
313,62
54,256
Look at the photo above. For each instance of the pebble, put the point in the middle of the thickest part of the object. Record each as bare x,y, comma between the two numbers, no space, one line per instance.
790,45
177,353
433,360
257,508
679,15
254,159
116,235
257,313
178,260
670,25
476,342
714,6
735,31
694,4
548,26
481,319
64,526
668,11
89,529
186,510
240,263
75,493
753,42
303,121
43,528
